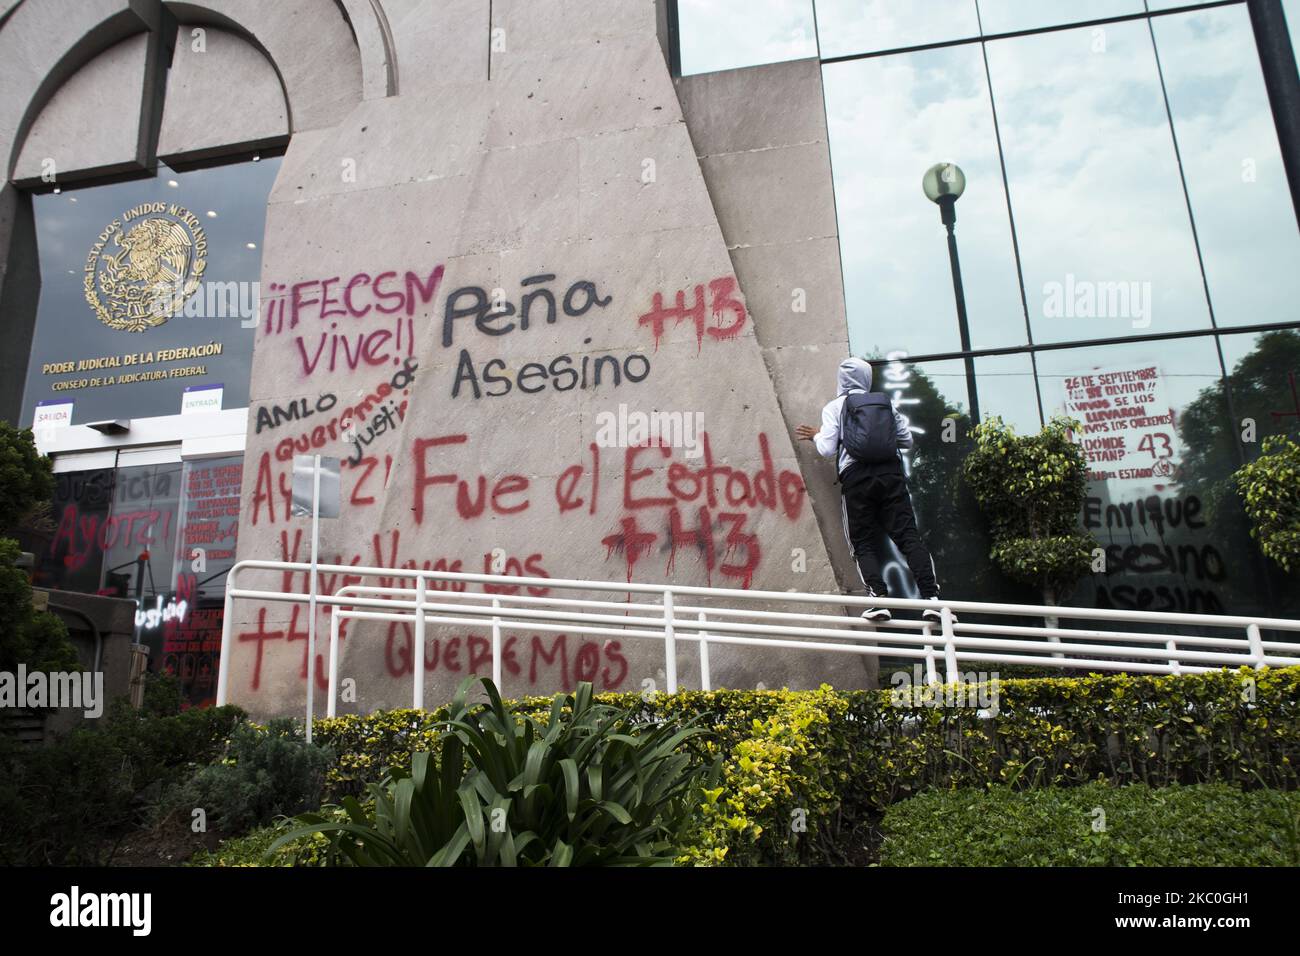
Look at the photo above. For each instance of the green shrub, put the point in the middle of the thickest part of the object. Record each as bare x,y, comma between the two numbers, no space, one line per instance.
67,802
38,639
591,785
368,746
1270,488
1094,825
1030,489
162,694
266,772
259,848
805,775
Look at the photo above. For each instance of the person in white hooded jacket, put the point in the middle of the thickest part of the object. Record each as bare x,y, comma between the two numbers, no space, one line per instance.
873,486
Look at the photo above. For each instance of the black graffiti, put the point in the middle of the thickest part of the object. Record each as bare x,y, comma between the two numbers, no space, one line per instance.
273,416
90,489
489,312
562,374
1127,597
1203,562
382,421
150,485
1152,511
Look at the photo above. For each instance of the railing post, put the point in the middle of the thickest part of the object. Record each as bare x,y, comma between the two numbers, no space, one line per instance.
949,646
706,681
1256,645
227,645
311,599
331,709
496,644
1171,645
670,645
419,642
931,677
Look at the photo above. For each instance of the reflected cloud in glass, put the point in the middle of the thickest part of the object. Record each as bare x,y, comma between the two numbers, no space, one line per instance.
729,34
890,119
865,26
1240,198
1106,244
1007,16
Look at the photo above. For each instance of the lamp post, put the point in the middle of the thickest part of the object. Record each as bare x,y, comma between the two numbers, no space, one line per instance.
943,184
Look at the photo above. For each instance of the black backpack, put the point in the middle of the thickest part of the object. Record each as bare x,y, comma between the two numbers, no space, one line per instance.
867,429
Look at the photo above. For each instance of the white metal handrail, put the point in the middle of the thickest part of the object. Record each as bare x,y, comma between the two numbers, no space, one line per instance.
670,621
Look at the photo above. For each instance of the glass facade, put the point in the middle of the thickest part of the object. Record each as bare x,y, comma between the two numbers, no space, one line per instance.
1128,249
148,308
148,287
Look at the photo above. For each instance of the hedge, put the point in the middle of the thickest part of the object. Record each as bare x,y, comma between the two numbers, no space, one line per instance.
1095,825
67,802
804,770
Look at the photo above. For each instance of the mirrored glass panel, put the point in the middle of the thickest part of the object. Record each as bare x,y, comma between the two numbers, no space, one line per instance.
891,118
208,519
1244,217
1159,442
1006,16
866,26
729,34
148,288
1105,239
1264,374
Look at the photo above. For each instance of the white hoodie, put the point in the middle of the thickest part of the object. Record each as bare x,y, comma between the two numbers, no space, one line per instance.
854,375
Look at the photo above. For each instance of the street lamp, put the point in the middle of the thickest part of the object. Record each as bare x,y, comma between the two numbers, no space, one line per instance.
943,184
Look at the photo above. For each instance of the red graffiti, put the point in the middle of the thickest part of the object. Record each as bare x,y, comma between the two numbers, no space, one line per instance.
324,300
88,534
590,661
715,482
508,495
722,300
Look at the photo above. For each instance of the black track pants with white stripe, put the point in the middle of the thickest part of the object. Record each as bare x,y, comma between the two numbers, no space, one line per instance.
876,504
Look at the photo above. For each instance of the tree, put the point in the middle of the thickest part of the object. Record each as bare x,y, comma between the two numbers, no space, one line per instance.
1270,488
27,636
1031,490
26,478
1214,445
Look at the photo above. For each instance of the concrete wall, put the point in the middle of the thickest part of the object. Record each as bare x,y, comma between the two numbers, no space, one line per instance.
452,153
86,617
760,134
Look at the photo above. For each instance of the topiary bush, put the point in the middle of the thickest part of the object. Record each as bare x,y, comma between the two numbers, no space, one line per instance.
1094,825
1030,489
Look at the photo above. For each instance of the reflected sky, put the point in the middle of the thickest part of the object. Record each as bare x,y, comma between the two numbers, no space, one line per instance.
1106,241
726,34
1235,177
1095,185
1006,16
866,26
890,119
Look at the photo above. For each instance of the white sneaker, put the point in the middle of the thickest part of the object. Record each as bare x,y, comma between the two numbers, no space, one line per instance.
934,614
876,614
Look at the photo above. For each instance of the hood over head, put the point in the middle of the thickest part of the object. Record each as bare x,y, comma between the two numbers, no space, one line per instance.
853,373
